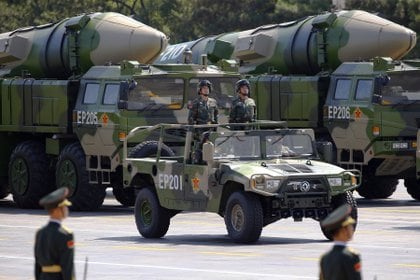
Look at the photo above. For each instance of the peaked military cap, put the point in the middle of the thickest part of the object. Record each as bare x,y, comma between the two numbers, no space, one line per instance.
340,217
55,199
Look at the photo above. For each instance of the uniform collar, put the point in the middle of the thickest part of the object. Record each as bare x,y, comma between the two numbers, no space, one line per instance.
55,221
340,243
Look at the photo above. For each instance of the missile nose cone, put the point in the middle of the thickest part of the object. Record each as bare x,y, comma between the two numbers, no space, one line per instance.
147,43
121,37
397,41
366,35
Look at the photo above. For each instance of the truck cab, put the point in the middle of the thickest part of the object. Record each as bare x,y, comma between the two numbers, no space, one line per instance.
372,112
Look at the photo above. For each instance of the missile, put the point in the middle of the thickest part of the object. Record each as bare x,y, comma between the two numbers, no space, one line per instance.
304,46
71,46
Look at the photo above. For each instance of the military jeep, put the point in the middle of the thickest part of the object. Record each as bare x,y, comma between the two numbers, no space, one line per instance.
248,174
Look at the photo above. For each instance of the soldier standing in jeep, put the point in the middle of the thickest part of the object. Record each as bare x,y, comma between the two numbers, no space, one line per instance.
243,107
203,109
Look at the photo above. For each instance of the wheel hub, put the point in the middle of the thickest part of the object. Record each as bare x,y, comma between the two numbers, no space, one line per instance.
237,217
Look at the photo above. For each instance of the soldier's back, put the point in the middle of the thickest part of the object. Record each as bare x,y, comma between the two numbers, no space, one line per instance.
54,251
340,263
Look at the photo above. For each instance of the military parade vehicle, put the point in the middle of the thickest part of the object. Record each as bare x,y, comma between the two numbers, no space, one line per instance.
250,175
67,102
369,110
324,72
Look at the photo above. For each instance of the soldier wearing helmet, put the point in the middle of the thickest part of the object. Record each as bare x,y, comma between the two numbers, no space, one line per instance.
243,107
203,109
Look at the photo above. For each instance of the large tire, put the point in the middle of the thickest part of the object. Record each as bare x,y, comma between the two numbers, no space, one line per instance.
377,187
243,217
413,187
126,196
149,148
152,220
71,172
29,174
337,201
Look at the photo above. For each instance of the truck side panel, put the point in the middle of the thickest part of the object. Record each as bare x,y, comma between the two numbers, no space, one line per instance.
40,106
292,99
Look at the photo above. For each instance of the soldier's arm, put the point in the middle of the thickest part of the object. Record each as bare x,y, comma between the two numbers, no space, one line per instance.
37,270
321,273
37,266
254,118
232,114
254,111
353,268
216,114
192,114
67,258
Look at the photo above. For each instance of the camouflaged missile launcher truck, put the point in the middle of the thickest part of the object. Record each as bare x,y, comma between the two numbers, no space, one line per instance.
69,132
250,177
370,111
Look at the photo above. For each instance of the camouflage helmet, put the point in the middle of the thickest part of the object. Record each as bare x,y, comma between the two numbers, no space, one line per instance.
240,83
203,83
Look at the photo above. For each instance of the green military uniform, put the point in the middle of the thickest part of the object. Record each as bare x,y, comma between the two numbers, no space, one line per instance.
243,111
203,111
341,262
54,244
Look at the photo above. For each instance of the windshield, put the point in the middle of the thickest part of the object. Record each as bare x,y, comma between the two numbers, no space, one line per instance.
288,145
404,84
237,146
156,93
223,89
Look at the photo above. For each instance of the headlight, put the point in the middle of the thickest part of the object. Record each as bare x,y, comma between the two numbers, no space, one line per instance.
258,182
353,180
273,185
261,182
335,182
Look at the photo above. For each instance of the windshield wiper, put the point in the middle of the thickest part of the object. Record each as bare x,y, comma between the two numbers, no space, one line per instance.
224,141
277,140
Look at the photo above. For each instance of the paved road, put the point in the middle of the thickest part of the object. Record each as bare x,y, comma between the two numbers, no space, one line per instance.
197,247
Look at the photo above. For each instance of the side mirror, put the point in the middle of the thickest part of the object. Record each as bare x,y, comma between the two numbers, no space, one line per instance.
124,89
377,99
326,151
208,152
122,104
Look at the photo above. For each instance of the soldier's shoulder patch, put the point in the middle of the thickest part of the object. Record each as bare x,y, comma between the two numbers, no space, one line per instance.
70,244
358,266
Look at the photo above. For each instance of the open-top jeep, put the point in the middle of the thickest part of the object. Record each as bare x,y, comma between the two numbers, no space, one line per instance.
249,175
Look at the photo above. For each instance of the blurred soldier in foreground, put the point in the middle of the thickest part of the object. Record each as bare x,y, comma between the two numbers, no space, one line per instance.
54,244
243,107
203,109
340,262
